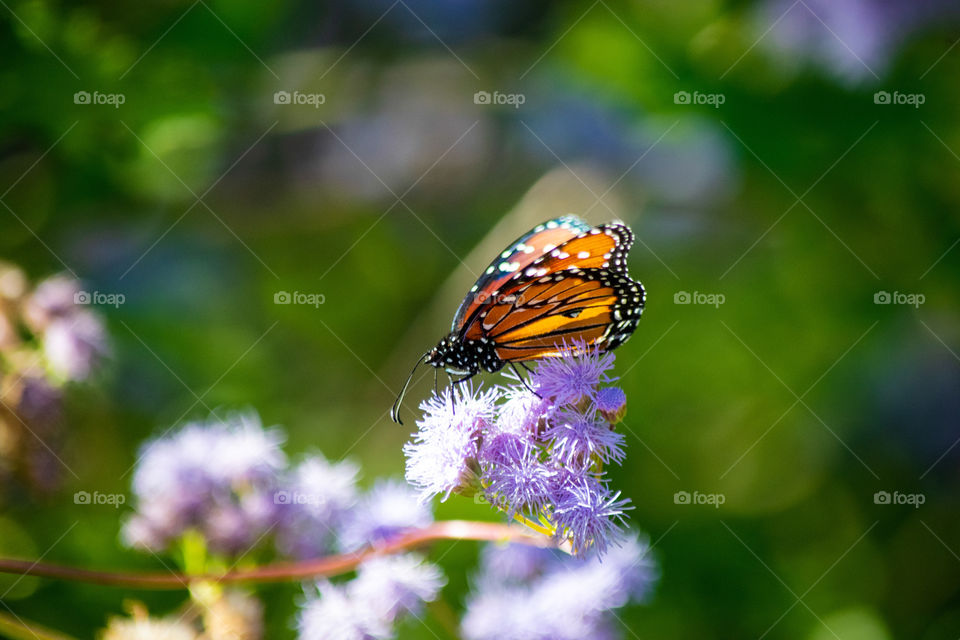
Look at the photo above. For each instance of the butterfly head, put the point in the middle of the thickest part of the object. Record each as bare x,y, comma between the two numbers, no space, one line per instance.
461,356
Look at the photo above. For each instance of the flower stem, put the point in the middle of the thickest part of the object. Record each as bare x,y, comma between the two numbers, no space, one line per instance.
289,571
533,525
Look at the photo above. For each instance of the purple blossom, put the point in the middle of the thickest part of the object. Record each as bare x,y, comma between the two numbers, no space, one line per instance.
611,402
515,474
577,438
570,378
73,338
541,456
312,503
521,413
388,509
442,457
368,606
218,477
553,596
854,40
55,297
587,513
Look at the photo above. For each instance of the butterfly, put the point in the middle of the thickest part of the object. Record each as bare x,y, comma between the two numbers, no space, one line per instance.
563,283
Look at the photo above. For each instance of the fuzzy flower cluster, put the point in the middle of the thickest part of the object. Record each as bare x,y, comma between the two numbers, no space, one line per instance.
536,453
368,606
230,481
49,336
527,593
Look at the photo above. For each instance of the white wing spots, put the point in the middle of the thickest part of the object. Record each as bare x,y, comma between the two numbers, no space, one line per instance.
594,232
549,247
507,253
583,255
509,267
552,224
605,265
489,270
530,272
528,249
473,288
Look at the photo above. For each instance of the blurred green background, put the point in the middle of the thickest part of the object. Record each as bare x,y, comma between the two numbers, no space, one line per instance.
746,144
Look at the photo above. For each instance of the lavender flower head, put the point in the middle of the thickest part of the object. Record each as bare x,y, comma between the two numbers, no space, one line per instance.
215,477
73,337
385,589
536,455
316,497
524,593
443,455
389,509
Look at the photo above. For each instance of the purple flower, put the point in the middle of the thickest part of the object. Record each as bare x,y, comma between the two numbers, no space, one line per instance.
442,457
514,563
570,378
577,438
330,614
514,474
396,585
587,513
217,477
388,509
539,456
612,403
555,597
522,413
853,39
312,503
75,345
368,606
73,337
55,297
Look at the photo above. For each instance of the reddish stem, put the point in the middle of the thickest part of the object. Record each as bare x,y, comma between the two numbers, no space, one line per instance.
285,571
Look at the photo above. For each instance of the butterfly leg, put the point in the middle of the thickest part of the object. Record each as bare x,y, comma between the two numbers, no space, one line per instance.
524,380
453,391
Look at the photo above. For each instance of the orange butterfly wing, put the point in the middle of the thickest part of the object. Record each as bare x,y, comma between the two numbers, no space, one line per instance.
578,292
525,250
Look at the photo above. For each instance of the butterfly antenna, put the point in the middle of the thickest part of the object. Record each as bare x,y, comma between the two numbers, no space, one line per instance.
395,411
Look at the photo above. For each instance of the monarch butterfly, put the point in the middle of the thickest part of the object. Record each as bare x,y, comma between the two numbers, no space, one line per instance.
563,283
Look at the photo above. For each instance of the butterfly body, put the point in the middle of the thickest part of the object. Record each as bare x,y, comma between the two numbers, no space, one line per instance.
562,284
464,357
